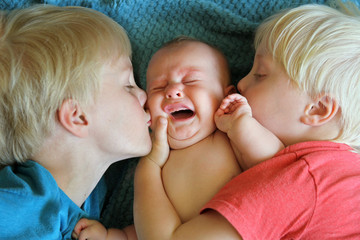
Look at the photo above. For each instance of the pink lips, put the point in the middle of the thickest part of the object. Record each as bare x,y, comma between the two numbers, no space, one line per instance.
149,117
179,111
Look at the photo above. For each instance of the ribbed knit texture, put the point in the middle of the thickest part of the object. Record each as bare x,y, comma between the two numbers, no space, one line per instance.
227,24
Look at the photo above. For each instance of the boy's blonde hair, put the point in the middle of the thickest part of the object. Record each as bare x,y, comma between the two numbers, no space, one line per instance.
319,48
49,54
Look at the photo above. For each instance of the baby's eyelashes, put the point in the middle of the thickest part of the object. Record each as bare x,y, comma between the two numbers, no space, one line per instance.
189,82
157,88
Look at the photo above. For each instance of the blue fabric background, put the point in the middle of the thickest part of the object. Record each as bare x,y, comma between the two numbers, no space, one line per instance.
228,24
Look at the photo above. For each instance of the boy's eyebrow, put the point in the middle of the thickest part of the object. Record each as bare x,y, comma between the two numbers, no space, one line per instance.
260,62
127,66
259,55
257,58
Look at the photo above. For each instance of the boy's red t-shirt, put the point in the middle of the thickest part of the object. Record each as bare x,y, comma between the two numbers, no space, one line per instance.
309,190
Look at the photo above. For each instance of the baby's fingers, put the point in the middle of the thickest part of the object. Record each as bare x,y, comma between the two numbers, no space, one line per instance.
160,135
81,224
160,148
229,100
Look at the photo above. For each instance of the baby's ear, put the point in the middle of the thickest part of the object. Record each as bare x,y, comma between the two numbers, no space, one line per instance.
320,111
230,90
73,118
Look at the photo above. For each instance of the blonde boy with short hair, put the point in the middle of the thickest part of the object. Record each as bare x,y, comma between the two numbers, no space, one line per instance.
69,107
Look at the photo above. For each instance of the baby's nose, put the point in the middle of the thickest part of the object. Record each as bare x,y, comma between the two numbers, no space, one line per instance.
174,92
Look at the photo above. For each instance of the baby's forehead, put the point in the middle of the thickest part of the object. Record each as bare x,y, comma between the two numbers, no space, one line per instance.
192,53
189,46
187,58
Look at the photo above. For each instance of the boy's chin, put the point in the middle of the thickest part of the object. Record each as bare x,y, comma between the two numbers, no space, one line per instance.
144,149
147,148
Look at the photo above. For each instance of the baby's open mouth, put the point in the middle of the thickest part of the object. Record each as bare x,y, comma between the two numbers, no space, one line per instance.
182,114
179,111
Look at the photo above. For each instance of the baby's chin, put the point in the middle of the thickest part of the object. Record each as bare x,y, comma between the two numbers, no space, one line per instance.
183,137
180,144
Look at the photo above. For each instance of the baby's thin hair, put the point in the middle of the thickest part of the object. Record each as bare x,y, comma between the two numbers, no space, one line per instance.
183,39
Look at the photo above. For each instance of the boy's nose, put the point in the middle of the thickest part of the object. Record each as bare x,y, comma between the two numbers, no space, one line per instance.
142,97
241,86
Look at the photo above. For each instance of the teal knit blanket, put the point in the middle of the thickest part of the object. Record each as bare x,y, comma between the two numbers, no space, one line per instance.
227,24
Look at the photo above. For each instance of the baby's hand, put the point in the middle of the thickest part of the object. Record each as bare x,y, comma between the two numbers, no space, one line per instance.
160,147
89,229
232,108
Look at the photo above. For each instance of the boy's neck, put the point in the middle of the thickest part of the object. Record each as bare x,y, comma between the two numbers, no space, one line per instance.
76,170
79,182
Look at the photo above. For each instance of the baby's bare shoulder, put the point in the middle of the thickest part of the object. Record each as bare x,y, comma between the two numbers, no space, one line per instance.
221,143
220,154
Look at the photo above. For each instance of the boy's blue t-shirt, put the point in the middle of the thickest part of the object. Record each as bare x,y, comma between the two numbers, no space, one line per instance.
32,206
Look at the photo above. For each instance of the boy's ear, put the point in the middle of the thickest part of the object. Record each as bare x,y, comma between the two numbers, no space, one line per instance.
320,111
72,118
230,90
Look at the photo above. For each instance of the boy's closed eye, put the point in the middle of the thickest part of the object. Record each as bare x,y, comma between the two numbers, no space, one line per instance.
129,87
259,76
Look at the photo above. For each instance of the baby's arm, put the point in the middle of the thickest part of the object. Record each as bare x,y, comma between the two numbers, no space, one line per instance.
154,215
87,229
251,142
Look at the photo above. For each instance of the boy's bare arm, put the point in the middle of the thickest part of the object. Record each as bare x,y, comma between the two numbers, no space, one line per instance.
154,215
251,142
